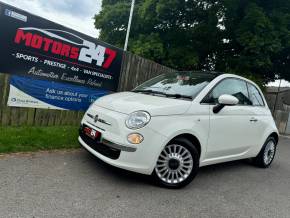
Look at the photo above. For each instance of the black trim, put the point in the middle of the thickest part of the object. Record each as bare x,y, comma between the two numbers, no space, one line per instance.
98,146
231,77
259,94
218,108
117,146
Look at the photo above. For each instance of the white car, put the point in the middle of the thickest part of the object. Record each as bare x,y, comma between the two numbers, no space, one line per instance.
175,123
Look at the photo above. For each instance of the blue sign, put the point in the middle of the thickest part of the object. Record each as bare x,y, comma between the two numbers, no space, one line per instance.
36,47
28,92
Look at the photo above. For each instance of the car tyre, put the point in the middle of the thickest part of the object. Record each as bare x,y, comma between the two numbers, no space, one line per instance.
267,153
177,164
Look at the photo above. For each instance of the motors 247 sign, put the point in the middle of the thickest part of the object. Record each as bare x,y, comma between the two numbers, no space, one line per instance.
33,46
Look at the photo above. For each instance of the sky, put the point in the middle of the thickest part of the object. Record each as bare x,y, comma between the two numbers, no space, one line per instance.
284,83
75,14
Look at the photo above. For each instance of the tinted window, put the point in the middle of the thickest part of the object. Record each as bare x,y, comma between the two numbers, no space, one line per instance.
255,96
177,83
235,87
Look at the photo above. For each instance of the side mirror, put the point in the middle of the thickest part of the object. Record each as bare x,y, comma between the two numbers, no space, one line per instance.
228,100
225,100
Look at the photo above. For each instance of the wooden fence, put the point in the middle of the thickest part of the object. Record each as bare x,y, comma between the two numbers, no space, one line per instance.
282,121
135,70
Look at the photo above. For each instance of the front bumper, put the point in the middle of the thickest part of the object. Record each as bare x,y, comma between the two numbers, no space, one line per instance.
137,158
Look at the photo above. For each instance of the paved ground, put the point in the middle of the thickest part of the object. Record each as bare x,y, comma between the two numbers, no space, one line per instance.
75,184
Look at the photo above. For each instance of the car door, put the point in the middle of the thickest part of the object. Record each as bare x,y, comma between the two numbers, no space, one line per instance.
230,128
260,115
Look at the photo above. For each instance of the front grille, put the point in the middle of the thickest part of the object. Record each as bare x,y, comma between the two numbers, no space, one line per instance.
109,152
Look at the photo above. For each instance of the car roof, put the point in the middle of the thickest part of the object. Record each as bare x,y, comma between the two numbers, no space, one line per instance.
211,74
215,74
202,72
227,75
218,74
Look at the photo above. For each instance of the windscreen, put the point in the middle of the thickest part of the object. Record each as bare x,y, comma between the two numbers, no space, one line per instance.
177,84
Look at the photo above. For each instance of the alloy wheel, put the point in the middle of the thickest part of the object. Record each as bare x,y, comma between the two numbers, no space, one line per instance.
174,164
269,152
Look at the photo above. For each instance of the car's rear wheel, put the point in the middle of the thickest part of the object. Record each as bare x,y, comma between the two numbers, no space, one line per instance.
267,153
177,164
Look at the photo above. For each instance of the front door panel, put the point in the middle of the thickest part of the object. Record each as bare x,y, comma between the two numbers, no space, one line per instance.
229,132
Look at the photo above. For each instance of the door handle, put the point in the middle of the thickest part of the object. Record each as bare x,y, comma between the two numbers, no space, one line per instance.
253,119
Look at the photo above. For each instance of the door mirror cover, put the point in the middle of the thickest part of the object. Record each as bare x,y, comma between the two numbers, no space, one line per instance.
225,100
228,100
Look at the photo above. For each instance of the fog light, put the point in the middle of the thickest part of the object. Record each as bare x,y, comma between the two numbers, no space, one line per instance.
135,138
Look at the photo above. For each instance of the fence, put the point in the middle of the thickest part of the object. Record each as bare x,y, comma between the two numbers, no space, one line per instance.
278,100
282,119
135,70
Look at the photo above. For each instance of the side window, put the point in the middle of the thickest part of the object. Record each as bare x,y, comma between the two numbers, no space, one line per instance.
255,96
235,87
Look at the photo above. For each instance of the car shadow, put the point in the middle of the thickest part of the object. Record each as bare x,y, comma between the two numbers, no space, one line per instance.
115,172
226,166
129,177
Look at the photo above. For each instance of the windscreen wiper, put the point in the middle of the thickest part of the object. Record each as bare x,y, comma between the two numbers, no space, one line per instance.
163,93
179,96
150,91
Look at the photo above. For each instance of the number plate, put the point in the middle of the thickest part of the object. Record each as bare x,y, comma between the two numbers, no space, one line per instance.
94,134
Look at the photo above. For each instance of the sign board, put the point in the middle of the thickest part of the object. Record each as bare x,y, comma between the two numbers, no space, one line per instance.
34,93
39,48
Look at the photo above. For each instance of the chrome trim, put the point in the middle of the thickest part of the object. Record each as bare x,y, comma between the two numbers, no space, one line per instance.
95,126
104,122
91,116
97,119
117,146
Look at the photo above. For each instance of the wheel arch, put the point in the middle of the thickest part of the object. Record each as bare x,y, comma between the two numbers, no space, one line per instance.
192,138
275,135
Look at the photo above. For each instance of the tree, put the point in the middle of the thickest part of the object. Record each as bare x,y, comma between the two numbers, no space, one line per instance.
247,37
257,33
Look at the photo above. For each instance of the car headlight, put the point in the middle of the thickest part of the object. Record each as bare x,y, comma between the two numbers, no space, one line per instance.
138,119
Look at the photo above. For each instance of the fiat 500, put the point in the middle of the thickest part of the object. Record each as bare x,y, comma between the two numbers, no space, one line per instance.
175,123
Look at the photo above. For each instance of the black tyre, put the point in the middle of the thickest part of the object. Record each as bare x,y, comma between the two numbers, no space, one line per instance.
177,164
267,153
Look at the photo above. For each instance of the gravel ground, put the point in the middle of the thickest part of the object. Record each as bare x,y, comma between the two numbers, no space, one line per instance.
76,184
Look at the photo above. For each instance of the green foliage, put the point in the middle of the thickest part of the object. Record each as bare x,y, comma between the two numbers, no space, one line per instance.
246,37
149,46
258,33
23,139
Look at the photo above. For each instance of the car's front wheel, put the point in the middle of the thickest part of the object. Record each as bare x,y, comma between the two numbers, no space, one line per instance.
267,153
177,164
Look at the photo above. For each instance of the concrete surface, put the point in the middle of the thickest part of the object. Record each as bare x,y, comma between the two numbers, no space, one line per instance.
75,184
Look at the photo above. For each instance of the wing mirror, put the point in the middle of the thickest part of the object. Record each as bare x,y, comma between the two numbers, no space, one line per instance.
225,100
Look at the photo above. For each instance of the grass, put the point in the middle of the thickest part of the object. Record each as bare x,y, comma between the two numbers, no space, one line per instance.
29,139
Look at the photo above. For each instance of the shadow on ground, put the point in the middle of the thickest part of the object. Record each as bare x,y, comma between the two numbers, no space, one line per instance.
131,177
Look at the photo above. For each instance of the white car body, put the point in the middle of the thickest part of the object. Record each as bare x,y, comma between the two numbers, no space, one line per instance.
236,132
